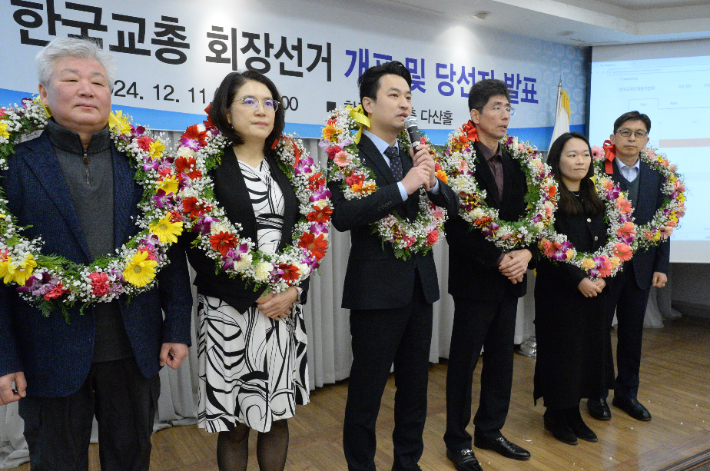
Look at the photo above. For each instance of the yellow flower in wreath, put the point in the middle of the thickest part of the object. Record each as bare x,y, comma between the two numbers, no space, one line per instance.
169,185
3,131
140,271
119,123
156,149
166,230
17,272
587,264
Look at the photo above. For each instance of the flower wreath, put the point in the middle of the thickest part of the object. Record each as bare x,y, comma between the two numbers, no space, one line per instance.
666,218
357,180
607,260
51,281
459,161
201,148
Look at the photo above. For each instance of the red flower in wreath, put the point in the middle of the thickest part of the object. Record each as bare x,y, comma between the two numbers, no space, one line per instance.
432,237
56,292
316,245
290,272
144,143
223,242
321,215
316,181
187,166
194,208
355,179
99,284
175,216
194,135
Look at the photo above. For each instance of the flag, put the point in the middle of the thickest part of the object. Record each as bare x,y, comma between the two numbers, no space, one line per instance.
562,115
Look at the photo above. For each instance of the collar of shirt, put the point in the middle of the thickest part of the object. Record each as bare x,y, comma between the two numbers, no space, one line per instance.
69,141
629,172
381,145
488,154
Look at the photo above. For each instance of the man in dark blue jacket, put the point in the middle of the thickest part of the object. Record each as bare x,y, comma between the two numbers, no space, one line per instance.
77,192
629,290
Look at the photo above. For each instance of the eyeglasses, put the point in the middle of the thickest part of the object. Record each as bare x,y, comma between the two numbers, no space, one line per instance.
498,109
270,105
629,132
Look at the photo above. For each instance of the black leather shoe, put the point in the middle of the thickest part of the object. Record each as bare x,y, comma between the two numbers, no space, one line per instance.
502,446
464,460
632,407
555,423
579,428
599,409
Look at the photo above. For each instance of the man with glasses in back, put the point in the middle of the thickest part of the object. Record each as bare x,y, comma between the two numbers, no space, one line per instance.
486,284
629,290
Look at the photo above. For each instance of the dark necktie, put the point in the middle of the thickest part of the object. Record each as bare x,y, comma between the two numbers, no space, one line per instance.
395,162
496,164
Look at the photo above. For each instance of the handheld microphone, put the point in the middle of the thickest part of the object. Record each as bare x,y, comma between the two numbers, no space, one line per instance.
410,124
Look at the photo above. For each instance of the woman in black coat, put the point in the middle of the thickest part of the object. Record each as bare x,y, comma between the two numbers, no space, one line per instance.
569,313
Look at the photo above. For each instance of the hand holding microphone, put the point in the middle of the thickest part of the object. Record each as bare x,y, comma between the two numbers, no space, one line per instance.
420,152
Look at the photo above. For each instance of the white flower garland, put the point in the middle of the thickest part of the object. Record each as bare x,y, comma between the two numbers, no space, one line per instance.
200,151
459,162
667,217
607,260
51,281
357,181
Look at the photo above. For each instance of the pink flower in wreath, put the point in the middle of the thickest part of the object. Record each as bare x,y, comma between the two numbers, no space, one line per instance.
597,153
408,241
624,205
342,159
623,252
437,212
462,166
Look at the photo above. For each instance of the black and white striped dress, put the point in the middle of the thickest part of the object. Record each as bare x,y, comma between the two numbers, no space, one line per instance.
252,369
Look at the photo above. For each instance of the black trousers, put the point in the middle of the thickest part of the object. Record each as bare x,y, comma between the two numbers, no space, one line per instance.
58,429
630,302
488,324
381,337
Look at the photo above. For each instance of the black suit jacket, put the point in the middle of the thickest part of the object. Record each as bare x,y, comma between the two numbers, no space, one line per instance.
472,259
231,192
650,198
375,278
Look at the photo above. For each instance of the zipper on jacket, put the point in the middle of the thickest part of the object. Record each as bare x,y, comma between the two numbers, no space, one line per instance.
86,164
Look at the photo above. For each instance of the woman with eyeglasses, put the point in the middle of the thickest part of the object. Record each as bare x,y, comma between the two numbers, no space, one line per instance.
251,345
570,318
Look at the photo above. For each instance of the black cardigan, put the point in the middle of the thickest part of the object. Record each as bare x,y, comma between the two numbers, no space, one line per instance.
231,192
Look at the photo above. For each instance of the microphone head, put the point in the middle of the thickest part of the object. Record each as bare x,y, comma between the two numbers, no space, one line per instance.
410,122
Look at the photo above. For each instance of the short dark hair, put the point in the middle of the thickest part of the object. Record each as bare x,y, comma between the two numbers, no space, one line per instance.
224,96
632,116
369,81
483,90
568,204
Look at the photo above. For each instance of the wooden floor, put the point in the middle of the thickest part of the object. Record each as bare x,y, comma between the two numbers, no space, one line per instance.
675,386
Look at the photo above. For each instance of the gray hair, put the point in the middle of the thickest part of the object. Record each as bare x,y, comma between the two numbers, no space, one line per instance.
60,48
